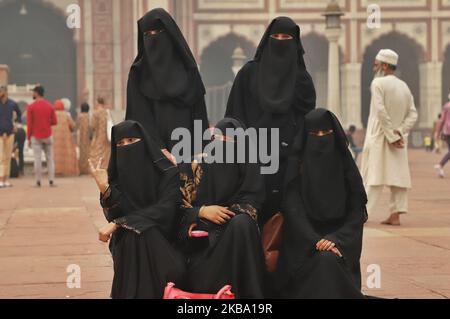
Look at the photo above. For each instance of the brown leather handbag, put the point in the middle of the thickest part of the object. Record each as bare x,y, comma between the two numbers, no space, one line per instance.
271,240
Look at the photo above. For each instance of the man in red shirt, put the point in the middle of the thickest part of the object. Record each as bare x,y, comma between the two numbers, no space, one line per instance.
41,117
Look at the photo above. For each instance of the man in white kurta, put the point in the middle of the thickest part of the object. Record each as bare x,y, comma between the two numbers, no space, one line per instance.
385,156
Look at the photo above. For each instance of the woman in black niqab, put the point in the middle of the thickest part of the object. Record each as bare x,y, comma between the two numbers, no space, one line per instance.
165,90
142,200
275,91
223,199
325,211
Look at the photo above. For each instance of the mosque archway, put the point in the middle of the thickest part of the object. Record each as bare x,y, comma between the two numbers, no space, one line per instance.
316,60
216,68
38,47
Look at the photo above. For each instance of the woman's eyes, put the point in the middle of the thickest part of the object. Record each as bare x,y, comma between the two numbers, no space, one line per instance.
152,33
321,133
128,141
281,36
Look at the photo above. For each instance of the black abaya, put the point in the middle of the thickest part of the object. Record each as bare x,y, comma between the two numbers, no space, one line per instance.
314,211
274,91
232,255
165,90
142,199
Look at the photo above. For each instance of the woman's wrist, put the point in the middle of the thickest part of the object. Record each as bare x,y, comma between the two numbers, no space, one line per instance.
103,188
201,211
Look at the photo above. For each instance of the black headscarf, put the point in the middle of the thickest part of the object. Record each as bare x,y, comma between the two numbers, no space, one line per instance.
238,186
282,79
165,65
323,167
141,171
230,183
324,197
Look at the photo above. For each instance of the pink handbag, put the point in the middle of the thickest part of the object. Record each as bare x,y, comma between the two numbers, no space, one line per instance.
174,293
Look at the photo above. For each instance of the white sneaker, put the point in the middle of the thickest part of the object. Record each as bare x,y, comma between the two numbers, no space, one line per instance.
2,185
440,171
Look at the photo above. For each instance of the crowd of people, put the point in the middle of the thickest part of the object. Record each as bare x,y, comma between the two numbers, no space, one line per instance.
198,224
67,143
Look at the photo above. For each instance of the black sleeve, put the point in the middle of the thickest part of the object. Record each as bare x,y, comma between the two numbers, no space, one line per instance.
349,236
236,107
251,194
110,202
161,214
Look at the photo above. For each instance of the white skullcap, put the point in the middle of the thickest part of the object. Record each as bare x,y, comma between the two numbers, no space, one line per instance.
387,56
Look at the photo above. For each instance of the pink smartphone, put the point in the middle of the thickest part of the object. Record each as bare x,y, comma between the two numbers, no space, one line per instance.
199,234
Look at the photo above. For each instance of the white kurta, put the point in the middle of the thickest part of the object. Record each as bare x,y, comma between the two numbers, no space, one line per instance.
392,108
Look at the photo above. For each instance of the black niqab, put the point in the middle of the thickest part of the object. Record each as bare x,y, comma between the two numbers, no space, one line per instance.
167,69
140,171
323,168
227,183
324,199
282,79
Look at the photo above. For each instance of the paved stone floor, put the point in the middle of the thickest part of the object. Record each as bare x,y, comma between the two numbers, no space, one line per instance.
43,231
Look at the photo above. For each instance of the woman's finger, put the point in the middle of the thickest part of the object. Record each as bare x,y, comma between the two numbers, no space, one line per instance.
225,216
220,220
319,243
227,212
99,164
328,246
324,245
91,166
337,252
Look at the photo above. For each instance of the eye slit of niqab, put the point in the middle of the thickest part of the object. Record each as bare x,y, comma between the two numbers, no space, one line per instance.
128,141
321,133
281,36
152,33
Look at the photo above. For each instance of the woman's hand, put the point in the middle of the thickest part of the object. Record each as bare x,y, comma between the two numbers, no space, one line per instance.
104,233
100,175
217,214
337,252
169,156
327,245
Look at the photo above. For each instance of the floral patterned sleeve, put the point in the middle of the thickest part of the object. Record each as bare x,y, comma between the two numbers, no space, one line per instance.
245,209
190,176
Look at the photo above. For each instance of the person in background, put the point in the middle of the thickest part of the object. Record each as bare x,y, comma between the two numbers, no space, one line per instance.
437,141
20,139
66,163
84,139
41,117
100,146
7,109
385,157
355,149
444,132
428,143
15,162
